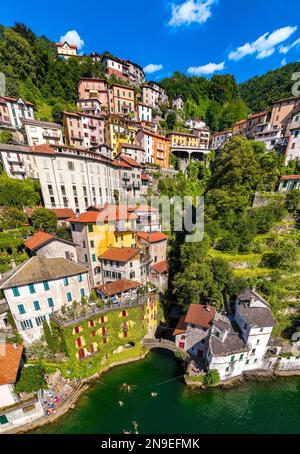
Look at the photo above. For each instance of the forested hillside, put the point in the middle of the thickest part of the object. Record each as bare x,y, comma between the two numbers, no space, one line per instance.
259,92
33,71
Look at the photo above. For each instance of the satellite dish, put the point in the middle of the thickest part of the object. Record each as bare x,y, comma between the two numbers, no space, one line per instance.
2,84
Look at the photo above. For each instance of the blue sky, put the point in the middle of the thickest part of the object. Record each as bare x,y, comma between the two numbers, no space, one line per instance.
201,37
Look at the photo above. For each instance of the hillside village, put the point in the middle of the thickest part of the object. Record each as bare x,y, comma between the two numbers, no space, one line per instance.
92,290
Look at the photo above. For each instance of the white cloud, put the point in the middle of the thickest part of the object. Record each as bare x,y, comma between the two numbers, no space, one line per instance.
190,11
286,49
72,37
264,46
210,68
152,68
283,62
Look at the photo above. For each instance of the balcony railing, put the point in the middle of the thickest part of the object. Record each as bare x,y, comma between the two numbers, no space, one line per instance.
69,319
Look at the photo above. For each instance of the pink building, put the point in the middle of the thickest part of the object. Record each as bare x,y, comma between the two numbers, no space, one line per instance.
4,114
97,89
83,130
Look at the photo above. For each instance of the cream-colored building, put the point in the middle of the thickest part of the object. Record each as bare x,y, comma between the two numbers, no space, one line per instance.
66,50
40,132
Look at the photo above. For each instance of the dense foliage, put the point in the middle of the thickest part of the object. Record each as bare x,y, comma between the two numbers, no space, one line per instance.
31,380
259,92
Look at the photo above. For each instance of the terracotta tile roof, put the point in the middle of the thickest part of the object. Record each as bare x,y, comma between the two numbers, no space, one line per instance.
259,114
290,177
131,145
152,237
43,148
39,269
139,208
120,254
72,46
181,326
200,315
10,357
114,288
121,164
130,161
160,267
39,238
145,178
103,215
62,213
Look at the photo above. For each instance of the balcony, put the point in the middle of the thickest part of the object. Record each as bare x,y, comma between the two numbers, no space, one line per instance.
51,134
14,159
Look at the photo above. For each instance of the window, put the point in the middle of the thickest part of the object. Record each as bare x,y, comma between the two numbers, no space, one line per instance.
71,165
232,359
39,320
241,356
82,293
66,281
31,288
50,302
92,244
94,258
26,324
46,285
258,341
90,228
80,278
36,306
21,309
15,291
69,297
86,258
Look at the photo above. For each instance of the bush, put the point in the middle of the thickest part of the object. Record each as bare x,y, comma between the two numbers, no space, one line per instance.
212,378
31,380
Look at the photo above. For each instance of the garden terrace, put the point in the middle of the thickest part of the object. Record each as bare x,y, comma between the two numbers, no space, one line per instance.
71,316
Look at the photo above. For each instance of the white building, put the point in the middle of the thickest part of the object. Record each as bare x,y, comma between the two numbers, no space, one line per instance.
219,139
178,102
66,50
40,132
120,263
47,245
39,287
270,136
154,95
10,363
18,110
195,123
144,112
293,148
69,177
134,151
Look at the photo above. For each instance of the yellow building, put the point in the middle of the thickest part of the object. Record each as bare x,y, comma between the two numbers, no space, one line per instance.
180,139
94,232
119,131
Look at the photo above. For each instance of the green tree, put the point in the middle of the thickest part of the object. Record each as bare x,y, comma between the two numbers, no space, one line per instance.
31,380
292,201
44,219
11,218
6,137
18,193
212,378
50,340
283,256
171,121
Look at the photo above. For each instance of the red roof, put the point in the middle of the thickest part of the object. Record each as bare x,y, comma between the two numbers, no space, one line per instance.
62,213
121,164
200,315
290,177
161,267
112,213
152,237
43,148
120,254
181,326
10,357
113,288
130,161
145,177
70,45
38,239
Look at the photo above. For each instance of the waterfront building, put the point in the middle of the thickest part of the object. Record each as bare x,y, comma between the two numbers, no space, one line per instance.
83,130
66,50
41,132
219,139
10,364
156,146
46,245
289,183
40,286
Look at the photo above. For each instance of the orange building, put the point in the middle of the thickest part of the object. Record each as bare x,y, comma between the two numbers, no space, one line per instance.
281,112
92,88
157,147
121,99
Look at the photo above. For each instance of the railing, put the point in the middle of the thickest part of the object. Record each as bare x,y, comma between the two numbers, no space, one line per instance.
66,320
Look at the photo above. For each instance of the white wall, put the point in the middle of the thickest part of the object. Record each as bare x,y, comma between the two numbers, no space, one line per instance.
7,396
